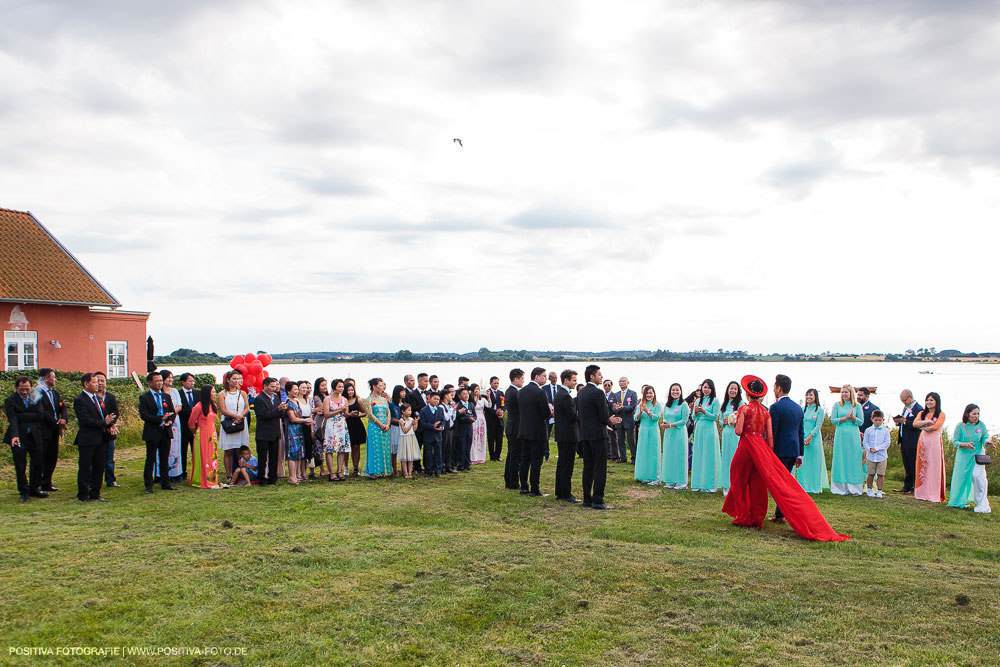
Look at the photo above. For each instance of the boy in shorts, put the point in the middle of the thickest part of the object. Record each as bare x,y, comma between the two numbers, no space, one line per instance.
876,444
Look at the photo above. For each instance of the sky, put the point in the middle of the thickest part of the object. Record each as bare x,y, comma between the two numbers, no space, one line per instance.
765,176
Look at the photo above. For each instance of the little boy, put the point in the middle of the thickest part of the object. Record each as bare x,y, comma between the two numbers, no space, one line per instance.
246,472
875,444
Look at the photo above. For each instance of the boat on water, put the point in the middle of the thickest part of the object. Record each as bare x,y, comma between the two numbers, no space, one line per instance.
871,390
925,372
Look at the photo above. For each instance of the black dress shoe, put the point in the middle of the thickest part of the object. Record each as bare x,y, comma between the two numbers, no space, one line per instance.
24,497
168,487
113,485
586,504
37,494
602,506
149,489
776,519
571,499
86,500
49,488
99,499
524,492
536,494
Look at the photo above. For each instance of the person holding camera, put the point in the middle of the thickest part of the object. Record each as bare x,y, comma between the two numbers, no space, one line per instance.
156,409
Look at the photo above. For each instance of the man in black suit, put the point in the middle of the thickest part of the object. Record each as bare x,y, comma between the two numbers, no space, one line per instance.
533,431
92,440
268,408
109,406
416,396
188,399
625,401
54,416
867,408
908,437
595,420
156,409
512,464
25,438
567,430
494,420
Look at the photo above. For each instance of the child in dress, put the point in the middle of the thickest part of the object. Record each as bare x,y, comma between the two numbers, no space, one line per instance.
409,449
875,443
246,471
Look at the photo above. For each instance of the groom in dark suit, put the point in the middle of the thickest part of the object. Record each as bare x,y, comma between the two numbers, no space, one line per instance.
787,430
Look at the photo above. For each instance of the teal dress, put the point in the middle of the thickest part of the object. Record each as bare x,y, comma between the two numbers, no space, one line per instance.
812,473
960,493
647,450
705,460
378,460
729,442
848,470
674,459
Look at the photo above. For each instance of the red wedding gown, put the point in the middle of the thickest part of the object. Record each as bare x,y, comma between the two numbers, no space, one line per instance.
756,470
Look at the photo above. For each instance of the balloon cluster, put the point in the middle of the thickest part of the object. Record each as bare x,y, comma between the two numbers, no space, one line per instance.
253,368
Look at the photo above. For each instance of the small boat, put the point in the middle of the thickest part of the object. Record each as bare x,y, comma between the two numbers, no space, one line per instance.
871,390
925,372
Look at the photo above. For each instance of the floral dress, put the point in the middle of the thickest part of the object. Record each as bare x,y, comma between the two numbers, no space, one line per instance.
335,437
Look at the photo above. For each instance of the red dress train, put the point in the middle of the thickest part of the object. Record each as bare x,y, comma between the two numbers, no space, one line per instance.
756,470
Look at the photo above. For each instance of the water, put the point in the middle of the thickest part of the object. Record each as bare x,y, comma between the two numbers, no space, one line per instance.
958,383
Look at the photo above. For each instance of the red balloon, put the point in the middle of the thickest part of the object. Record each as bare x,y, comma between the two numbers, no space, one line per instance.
242,368
249,380
265,359
255,367
249,357
238,359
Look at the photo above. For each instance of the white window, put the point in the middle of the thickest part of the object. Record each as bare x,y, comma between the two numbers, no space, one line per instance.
117,359
21,349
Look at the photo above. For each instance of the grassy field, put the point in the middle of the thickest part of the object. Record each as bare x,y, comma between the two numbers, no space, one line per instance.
460,571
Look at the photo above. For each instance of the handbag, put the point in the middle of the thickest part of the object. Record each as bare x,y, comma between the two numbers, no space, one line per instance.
229,424
981,459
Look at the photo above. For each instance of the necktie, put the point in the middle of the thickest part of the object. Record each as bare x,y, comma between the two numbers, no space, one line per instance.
98,404
52,402
159,404
25,402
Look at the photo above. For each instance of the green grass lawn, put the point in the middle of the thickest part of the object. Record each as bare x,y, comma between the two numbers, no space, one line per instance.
460,571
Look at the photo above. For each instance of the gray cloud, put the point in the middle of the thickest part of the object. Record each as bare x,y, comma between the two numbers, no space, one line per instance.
555,218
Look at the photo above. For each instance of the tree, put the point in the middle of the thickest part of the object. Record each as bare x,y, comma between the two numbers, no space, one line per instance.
403,355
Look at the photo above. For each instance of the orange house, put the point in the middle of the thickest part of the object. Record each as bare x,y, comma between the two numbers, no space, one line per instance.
55,313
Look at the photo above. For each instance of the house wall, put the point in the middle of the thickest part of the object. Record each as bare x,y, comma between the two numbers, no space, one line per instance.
82,333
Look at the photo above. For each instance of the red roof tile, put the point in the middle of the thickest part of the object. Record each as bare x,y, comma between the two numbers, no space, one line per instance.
35,267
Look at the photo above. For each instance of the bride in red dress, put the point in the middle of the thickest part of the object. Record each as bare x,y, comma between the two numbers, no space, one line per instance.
756,470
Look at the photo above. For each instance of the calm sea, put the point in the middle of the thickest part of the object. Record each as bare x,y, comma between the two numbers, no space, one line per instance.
958,383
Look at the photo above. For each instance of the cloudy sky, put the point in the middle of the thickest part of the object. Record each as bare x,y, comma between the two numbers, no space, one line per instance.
768,176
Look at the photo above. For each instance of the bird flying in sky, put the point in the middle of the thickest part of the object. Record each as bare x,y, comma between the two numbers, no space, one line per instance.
457,141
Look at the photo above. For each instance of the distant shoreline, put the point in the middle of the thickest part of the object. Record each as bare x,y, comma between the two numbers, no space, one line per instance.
769,360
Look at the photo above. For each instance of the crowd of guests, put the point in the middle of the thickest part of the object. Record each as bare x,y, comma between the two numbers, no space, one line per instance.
314,430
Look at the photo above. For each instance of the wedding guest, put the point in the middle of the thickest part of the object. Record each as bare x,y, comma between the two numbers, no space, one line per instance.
567,430
92,437
308,447
867,407
705,456
435,383
395,429
233,407
812,474
876,442
930,452
378,461
624,403
465,419
246,468
109,405
187,403
295,426
512,465
968,477
204,465
156,409
431,422
673,466
608,386
463,381
24,436
550,395
54,419
647,452
595,419
417,398
848,457
409,451
322,390
732,400
478,453
355,427
268,408
494,419
336,436
448,435
908,437
174,469
532,430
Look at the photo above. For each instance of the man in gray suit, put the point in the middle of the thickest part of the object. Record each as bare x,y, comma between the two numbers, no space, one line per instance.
625,402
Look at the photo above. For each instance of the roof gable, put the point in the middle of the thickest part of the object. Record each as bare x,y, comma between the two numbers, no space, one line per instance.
36,268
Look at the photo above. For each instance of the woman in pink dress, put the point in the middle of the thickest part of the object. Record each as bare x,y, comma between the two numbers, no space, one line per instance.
929,484
478,454
204,464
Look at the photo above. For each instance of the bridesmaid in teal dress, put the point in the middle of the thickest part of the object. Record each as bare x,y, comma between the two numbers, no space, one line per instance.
674,458
848,470
812,473
647,453
705,461
732,402
968,479
378,460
